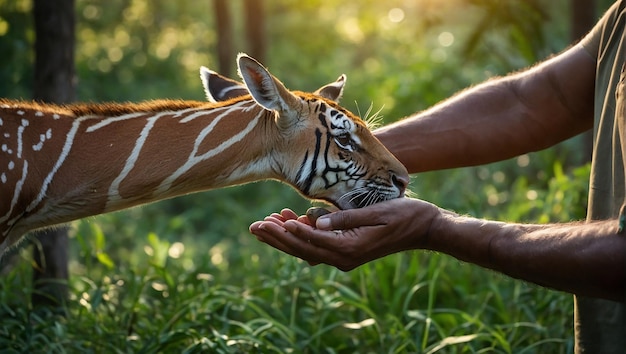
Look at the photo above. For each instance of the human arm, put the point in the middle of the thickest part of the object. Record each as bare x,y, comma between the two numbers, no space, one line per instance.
584,259
500,118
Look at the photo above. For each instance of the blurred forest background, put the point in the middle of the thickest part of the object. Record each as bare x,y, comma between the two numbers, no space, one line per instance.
185,274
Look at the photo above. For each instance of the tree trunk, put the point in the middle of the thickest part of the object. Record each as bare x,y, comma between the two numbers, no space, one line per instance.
54,82
583,17
225,52
255,28
50,273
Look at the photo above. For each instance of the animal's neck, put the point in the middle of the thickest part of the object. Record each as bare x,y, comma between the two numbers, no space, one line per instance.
62,165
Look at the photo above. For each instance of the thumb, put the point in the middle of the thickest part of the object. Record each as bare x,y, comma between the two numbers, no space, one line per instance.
347,219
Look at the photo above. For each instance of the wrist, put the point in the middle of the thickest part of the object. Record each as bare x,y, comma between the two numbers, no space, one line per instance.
465,238
434,240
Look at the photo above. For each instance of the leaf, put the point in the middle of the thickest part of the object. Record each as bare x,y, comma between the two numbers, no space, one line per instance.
105,260
452,341
98,235
358,325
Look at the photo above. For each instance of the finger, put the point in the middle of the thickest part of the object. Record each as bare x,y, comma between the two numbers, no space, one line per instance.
304,219
259,228
268,236
283,240
288,214
255,228
276,220
276,216
330,241
328,247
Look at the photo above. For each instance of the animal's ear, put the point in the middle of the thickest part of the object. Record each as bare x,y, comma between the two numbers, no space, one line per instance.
268,91
220,88
333,91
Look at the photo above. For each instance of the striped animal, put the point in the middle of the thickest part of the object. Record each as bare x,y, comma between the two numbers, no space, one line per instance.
62,163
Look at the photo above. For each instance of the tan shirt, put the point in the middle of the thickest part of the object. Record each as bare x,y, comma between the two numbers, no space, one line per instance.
606,42
601,325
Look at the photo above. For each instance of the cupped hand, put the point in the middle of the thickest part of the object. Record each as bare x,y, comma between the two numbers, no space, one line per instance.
347,239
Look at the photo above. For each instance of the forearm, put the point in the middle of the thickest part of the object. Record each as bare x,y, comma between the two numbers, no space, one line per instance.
478,126
499,119
585,259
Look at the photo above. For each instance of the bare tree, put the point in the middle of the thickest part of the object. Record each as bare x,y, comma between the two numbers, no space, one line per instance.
54,82
225,51
255,28
582,19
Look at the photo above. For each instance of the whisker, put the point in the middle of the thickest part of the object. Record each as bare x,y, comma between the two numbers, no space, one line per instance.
376,197
372,120
371,198
411,194
367,195
357,196
354,194
351,193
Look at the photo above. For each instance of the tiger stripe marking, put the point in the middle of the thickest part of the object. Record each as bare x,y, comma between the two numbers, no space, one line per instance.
62,163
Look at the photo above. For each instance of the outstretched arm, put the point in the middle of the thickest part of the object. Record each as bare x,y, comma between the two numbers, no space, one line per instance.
584,259
500,118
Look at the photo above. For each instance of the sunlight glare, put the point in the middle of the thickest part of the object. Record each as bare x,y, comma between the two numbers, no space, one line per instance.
493,199
4,27
158,286
204,277
498,177
445,39
217,256
523,160
115,54
84,301
91,12
396,15
351,30
176,250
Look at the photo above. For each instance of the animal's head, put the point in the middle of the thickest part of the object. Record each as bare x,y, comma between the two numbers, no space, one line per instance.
322,149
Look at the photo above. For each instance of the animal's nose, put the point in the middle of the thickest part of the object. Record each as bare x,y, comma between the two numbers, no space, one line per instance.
400,181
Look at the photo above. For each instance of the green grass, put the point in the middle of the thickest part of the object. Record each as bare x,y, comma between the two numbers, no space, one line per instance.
404,303
186,276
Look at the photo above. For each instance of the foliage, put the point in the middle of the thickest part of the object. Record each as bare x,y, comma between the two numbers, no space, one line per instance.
184,275
404,303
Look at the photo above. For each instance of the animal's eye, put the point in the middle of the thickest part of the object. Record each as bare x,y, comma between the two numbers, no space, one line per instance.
345,141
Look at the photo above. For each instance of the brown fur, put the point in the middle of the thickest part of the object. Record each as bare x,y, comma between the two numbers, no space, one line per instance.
114,109
108,109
